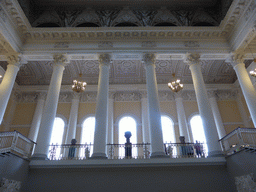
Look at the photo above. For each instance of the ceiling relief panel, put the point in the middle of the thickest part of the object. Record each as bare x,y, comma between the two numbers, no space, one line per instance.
125,72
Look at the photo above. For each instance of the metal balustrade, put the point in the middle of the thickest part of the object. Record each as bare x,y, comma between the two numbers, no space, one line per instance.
118,151
238,139
15,142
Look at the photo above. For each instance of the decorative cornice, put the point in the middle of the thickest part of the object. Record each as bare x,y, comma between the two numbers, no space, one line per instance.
235,59
65,97
89,97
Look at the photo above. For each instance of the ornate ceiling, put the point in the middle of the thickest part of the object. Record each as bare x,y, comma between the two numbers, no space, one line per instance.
125,72
127,13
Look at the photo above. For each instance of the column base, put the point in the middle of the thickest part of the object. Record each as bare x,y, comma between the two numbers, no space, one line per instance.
158,155
215,154
38,156
98,156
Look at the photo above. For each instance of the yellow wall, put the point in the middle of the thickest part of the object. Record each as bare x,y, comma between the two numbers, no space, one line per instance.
23,114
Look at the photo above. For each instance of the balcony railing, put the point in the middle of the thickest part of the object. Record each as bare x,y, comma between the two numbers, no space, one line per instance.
119,151
238,139
15,142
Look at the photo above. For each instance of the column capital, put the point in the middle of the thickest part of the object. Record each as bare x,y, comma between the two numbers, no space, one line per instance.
16,60
41,96
61,59
149,58
144,94
211,93
178,95
75,96
192,58
235,59
105,59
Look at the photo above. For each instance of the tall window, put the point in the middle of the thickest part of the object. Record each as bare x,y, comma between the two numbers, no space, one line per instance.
57,136
168,129
87,136
127,124
198,130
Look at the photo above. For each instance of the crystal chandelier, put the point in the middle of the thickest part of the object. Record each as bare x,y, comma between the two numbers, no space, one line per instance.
78,86
253,72
175,85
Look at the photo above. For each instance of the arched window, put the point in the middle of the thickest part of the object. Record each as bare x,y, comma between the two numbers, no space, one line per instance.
168,129
57,136
87,136
198,131
127,123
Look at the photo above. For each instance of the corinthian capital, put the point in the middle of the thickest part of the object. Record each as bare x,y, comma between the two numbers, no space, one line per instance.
235,59
16,60
61,59
105,59
149,58
192,58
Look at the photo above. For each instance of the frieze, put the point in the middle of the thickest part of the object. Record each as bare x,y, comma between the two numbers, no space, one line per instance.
127,96
190,44
89,97
148,44
26,97
165,96
61,45
65,97
105,44
226,94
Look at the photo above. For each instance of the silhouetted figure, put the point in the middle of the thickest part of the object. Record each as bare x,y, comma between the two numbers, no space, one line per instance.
128,145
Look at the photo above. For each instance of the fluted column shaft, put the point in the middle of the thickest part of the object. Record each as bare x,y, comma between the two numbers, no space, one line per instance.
101,115
153,108
110,118
217,117
33,132
6,86
204,107
71,134
145,120
245,83
242,111
50,108
183,125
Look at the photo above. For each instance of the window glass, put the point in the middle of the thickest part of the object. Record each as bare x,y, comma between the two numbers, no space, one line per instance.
127,124
87,136
168,129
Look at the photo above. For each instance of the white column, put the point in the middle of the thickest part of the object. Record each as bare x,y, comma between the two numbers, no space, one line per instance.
153,108
50,108
6,86
182,120
9,116
101,115
245,83
204,107
110,118
145,119
216,114
71,133
33,132
242,110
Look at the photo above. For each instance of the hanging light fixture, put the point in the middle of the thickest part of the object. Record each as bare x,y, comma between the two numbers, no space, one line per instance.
253,72
175,85
79,86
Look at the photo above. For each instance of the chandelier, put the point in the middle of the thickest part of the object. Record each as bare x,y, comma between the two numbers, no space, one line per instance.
253,72
78,86
175,85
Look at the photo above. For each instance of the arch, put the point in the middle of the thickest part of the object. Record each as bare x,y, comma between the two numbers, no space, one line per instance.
87,133
164,24
136,118
126,24
127,123
85,117
48,25
88,24
168,130
203,24
197,130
